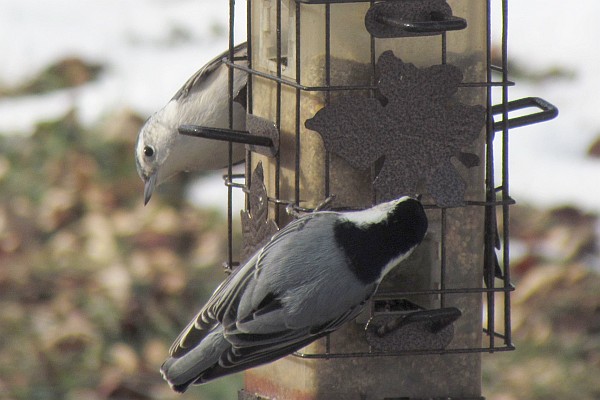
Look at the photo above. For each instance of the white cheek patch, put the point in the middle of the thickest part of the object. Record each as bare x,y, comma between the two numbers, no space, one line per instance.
393,263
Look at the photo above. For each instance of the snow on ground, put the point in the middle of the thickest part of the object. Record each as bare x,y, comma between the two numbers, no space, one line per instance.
151,47
547,161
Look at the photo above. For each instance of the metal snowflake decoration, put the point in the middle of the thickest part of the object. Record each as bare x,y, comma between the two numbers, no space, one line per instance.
415,130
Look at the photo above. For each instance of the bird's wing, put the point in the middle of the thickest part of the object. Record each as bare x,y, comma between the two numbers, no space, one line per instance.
225,297
206,318
262,324
203,73
250,350
256,330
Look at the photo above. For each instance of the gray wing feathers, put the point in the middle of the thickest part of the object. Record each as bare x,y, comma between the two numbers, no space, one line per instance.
203,73
285,297
212,312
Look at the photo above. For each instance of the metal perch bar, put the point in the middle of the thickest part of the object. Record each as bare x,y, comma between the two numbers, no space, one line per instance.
438,23
227,135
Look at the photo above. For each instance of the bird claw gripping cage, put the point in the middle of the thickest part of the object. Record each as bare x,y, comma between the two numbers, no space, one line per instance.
368,101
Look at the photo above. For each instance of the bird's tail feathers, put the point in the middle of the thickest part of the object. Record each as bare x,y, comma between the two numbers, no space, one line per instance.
181,371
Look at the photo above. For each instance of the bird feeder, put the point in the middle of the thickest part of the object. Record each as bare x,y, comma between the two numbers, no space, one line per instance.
351,103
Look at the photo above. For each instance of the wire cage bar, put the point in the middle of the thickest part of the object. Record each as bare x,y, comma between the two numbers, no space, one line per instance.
328,89
496,287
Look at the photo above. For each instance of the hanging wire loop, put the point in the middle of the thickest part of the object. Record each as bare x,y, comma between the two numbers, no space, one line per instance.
548,112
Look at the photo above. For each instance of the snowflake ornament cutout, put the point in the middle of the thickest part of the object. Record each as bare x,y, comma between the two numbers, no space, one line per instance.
415,130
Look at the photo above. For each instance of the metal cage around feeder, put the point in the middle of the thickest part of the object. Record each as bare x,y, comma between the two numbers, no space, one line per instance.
311,120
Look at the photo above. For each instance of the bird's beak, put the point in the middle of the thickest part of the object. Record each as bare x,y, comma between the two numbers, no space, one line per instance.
149,184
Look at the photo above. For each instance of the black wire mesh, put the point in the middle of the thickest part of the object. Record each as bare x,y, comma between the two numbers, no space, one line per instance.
495,203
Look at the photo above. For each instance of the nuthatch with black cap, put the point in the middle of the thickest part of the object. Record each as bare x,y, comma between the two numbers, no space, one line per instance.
312,276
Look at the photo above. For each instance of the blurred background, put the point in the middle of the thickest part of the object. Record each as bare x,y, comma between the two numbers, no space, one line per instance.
94,286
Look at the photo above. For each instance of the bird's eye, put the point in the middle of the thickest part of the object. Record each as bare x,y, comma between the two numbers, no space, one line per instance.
148,151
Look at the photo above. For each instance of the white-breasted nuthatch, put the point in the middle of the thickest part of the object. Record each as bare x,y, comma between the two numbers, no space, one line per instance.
313,276
161,152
